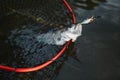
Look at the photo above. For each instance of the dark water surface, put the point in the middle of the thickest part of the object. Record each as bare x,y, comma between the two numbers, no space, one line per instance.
95,55
99,47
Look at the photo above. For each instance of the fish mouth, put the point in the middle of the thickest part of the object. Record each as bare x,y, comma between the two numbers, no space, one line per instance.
92,19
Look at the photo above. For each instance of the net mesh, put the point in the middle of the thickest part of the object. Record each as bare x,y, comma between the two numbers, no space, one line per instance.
41,10
19,16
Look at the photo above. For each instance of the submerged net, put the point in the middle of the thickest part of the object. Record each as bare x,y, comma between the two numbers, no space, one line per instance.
20,22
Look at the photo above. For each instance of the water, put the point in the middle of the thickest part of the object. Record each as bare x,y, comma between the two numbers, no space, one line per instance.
97,50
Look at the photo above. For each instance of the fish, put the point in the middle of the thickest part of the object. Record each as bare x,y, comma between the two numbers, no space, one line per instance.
60,37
